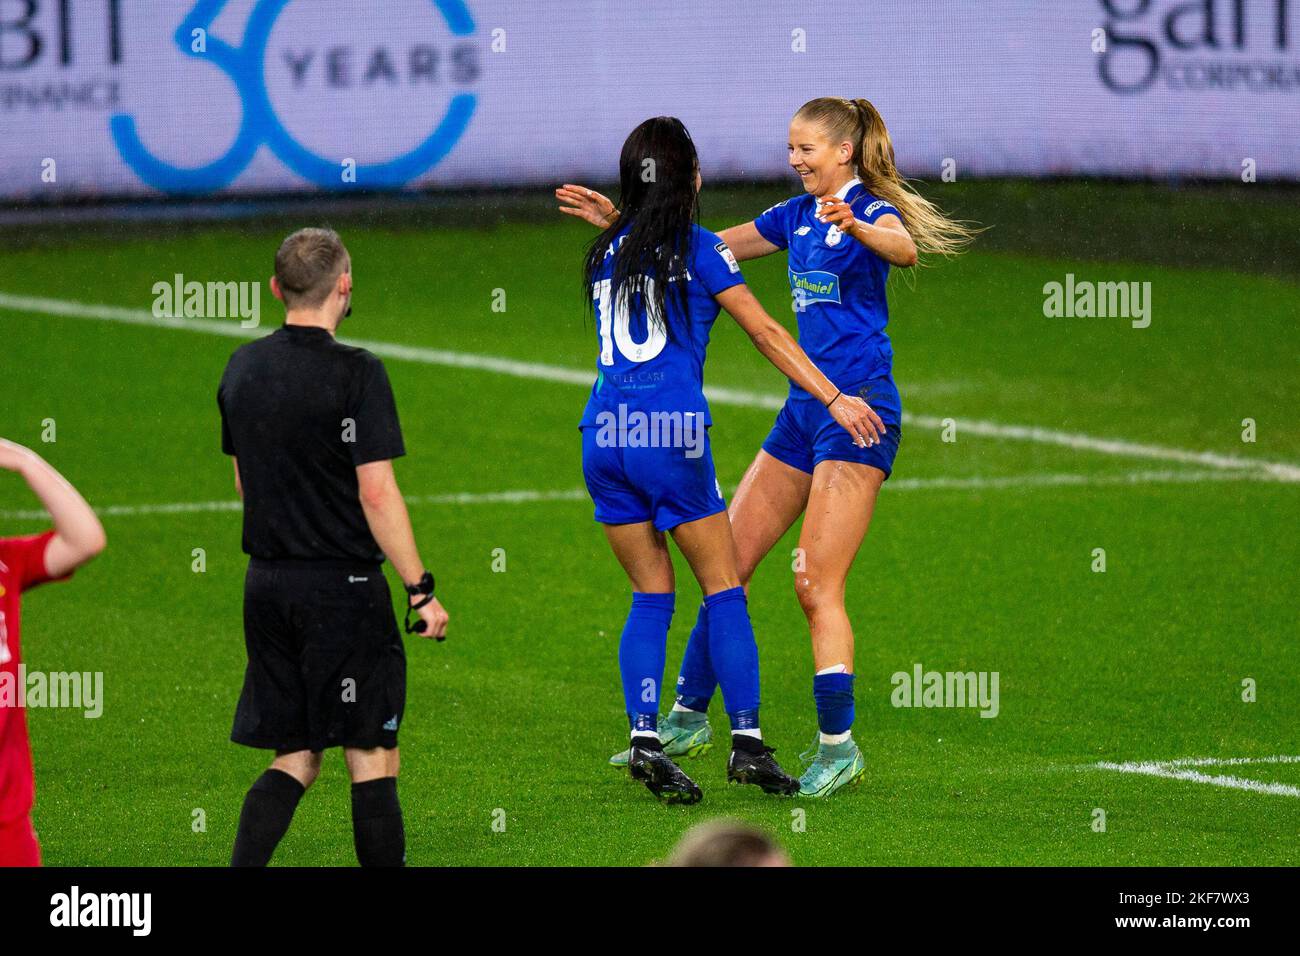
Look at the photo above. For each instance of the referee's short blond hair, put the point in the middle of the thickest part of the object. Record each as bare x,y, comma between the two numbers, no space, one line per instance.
306,265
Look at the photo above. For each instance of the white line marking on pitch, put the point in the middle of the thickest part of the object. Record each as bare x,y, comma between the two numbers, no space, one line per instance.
1282,471
1229,761
522,496
527,496
1179,770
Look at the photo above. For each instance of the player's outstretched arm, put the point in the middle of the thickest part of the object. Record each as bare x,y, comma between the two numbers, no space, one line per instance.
590,206
78,535
746,242
780,348
390,523
587,205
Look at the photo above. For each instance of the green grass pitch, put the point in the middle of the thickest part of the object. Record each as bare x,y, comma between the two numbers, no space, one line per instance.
512,719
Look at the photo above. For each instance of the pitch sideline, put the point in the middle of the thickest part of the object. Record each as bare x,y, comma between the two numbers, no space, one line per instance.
1282,471
1181,770
529,495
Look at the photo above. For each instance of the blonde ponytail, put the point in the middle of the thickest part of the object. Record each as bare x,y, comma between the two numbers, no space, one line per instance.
859,122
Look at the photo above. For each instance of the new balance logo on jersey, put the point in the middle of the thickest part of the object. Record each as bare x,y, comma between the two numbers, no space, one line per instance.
803,230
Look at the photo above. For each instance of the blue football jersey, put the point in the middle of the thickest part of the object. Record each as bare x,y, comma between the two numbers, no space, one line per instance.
837,286
649,366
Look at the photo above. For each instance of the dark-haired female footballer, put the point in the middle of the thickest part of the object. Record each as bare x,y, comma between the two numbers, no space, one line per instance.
656,281
856,218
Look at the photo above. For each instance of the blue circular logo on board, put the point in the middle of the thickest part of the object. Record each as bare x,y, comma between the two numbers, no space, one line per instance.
260,125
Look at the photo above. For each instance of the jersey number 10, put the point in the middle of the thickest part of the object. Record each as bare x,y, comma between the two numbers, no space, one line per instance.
656,337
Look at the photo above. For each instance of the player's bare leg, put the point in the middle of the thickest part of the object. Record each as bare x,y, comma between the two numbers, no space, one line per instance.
840,505
707,546
643,553
769,500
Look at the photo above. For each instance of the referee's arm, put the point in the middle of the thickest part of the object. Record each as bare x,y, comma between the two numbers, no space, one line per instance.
385,511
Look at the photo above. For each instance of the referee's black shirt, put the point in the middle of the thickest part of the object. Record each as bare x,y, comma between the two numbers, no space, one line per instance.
300,412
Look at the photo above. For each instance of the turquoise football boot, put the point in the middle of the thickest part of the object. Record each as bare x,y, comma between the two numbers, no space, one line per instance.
833,767
684,733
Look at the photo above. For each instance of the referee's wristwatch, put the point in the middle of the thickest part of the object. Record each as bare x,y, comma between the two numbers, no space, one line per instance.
421,589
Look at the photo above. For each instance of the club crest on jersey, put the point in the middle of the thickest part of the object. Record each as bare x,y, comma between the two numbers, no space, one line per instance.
810,287
833,236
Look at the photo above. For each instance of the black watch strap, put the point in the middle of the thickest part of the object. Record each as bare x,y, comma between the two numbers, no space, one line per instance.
423,587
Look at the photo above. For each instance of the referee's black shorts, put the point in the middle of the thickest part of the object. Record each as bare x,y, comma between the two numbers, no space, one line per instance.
326,664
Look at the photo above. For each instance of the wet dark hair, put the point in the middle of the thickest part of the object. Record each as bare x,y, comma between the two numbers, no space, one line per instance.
658,203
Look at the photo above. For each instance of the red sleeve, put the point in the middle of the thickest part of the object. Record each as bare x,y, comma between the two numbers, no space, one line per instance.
26,558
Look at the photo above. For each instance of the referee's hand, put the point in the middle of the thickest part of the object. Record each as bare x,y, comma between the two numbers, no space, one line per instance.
434,617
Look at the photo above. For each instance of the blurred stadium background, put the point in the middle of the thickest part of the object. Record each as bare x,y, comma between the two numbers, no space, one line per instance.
1144,141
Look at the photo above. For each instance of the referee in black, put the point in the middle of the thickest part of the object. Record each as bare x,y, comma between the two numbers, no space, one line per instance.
312,428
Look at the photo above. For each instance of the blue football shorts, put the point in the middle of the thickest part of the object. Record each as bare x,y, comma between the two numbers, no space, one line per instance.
669,486
805,434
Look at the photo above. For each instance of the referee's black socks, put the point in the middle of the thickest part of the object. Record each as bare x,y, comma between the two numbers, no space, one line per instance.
377,823
268,811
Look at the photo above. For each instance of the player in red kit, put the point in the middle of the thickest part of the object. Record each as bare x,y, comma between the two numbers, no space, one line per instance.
77,536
